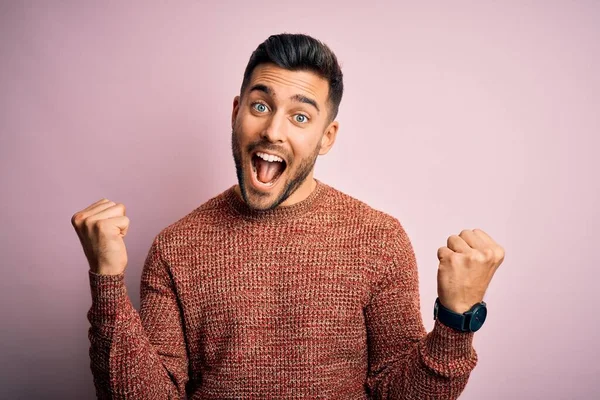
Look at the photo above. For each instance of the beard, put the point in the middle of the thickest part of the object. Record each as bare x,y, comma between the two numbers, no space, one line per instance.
294,178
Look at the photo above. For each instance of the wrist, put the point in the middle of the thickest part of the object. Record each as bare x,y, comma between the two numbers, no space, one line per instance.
104,269
470,320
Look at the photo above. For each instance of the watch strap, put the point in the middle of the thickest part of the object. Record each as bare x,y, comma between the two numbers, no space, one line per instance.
450,318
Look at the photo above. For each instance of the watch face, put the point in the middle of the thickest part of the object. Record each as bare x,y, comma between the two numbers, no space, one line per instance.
478,318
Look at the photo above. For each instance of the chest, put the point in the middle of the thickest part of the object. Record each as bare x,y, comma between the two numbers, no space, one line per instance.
290,278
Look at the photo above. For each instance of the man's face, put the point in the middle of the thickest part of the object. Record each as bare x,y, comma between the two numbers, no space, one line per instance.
279,127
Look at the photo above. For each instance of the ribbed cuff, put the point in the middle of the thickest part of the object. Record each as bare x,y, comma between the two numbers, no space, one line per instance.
448,351
107,291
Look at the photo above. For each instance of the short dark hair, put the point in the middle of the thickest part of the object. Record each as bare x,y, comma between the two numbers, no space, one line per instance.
300,52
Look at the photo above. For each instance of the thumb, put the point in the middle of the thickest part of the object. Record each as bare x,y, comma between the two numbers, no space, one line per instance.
122,223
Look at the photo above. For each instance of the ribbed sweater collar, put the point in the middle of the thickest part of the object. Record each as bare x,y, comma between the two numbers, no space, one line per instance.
280,213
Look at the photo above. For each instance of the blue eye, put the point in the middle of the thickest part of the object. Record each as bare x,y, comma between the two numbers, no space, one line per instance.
303,118
259,107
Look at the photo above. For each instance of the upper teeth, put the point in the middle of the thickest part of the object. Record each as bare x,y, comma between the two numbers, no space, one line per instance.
269,157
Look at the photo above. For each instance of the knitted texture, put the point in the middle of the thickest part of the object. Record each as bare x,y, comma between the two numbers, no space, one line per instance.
315,300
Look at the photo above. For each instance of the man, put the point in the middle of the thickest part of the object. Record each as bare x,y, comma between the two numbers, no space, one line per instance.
281,286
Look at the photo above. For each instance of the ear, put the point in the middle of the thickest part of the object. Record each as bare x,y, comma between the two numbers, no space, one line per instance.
234,112
328,137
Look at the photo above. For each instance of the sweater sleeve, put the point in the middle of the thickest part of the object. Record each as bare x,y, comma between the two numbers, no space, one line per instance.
406,362
137,355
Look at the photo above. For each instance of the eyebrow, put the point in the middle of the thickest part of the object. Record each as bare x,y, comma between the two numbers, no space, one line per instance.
297,97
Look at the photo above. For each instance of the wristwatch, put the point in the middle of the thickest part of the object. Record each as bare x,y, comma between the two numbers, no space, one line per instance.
469,321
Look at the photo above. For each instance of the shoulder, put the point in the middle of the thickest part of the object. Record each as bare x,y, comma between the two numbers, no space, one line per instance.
349,208
383,235
206,217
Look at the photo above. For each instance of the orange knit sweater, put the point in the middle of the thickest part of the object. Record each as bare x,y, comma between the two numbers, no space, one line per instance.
315,300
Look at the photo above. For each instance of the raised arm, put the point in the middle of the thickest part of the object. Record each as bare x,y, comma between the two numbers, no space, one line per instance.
406,362
133,355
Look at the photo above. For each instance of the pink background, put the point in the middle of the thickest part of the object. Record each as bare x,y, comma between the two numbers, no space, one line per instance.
463,115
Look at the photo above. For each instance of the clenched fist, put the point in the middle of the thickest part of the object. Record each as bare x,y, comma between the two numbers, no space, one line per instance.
467,265
101,228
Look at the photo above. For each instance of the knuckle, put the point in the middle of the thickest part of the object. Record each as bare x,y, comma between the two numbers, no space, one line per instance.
76,219
441,252
477,257
88,223
464,232
499,254
489,253
100,225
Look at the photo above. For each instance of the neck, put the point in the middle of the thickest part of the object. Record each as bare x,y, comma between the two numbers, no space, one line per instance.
302,192
280,213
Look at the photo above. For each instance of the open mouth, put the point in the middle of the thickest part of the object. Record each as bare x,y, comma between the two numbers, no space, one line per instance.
266,169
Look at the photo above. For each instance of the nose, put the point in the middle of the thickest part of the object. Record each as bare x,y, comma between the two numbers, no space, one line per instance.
275,130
